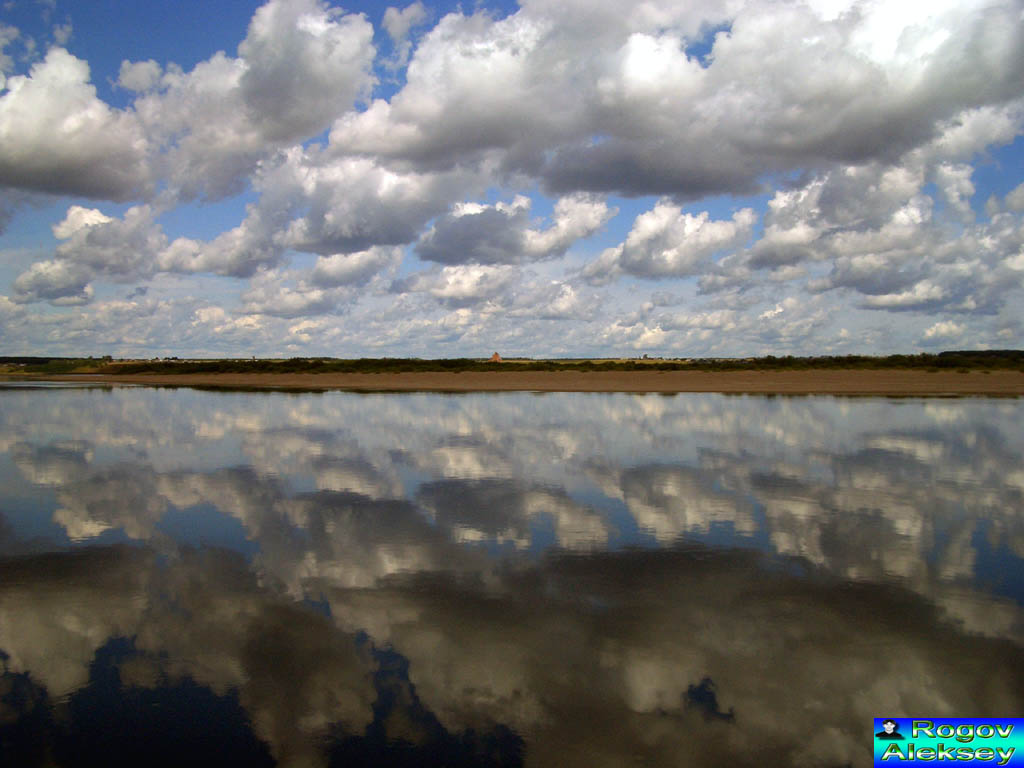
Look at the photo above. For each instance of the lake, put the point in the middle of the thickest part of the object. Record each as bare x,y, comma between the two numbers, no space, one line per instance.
500,579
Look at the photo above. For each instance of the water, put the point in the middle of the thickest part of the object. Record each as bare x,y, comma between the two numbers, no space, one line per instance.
500,579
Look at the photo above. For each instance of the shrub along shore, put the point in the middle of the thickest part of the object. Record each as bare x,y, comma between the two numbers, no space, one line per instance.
991,360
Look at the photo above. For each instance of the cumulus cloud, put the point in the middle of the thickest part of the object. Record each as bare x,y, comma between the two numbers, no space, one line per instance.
720,319
874,212
398,23
269,297
110,246
501,234
94,245
8,34
863,126
887,242
670,125
57,281
944,330
300,65
139,75
451,65
230,329
9,309
327,289
57,137
554,300
198,117
918,296
954,181
260,241
1015,198
462,285
62,32
305,63
354,268
239,252
353,203
665,242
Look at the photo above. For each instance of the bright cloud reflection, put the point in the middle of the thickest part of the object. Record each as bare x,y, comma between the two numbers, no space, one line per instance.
518,549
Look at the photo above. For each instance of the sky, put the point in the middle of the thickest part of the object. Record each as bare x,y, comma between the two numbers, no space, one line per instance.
557,178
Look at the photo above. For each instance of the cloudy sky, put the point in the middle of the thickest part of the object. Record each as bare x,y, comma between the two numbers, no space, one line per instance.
557,177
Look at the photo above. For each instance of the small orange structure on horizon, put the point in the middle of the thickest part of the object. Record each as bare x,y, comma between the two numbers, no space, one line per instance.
495,358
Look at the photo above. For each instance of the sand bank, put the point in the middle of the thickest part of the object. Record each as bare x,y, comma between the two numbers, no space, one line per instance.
807,382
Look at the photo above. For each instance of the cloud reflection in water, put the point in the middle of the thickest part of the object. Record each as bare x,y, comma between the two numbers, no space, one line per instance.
685,580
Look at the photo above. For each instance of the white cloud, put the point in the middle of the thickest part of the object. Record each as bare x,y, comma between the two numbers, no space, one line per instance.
974,129
243,328
62,33
398,23
500,233
326,289
553,300
117,247
56,136
238,252
539,86
944,330
94,245
955,184
575,217
922,293
139,75
305,63
8,35
305,330
352,203
55,281
865,126
665,242
301,64
468,88
354,268
78,218
270,294
462,285
8,309
1015,198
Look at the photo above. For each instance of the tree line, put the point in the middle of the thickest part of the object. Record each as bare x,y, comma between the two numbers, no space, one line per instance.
1006,359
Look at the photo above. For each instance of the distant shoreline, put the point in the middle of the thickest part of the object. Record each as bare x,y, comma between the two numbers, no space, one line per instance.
881,382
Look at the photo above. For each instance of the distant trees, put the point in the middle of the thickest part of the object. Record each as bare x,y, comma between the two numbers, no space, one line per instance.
957,360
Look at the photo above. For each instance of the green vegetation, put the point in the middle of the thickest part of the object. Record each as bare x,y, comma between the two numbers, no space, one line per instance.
52,365
953,361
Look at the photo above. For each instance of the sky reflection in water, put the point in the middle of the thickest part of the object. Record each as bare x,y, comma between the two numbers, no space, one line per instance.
563,579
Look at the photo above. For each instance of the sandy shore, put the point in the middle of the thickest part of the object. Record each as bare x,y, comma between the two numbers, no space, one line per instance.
813,382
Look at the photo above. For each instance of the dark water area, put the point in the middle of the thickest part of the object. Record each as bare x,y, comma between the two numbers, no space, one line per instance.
344,579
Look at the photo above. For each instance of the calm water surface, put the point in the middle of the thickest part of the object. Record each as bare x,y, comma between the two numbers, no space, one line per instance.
500,579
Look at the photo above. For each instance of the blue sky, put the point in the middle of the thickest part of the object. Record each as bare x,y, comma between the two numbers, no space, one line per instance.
726,177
